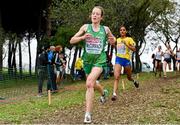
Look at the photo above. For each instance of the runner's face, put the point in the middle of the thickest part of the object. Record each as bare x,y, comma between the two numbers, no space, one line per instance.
123,31
159,48
96,15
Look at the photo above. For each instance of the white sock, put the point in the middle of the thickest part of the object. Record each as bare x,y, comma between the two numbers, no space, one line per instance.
114,93
87,114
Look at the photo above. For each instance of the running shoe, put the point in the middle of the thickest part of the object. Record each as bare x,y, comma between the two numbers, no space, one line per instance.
102,99
114,98
104,96
136,84
87,119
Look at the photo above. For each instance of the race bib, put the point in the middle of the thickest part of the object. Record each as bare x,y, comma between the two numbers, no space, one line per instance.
121,49
94,45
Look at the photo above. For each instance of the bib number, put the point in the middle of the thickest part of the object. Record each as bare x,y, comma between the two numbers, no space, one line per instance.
94,45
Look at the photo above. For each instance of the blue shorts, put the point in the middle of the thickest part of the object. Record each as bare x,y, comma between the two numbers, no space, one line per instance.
122,61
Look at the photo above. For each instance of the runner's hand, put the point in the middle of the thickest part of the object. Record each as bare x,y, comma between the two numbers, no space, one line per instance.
112,40
86,36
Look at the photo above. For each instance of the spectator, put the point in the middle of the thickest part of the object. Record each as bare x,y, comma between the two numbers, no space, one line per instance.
42,69
78,67
62,67
50,68
58,63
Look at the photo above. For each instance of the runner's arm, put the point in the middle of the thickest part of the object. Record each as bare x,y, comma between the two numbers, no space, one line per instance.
130,46
111,38
79,36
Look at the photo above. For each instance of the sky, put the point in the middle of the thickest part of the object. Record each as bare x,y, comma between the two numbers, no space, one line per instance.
25,55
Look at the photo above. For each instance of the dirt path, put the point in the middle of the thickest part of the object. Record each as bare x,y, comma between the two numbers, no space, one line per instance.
157,101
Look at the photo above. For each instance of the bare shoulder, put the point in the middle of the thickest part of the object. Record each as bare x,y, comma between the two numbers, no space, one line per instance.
84,27
107,29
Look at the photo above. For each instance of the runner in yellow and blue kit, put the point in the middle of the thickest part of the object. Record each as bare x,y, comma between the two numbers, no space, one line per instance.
124,46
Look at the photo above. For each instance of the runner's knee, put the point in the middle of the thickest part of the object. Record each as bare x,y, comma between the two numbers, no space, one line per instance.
89,83
117,77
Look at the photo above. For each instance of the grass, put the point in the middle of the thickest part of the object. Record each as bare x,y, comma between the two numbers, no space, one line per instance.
26,110
173,117
144,120
30,107
158,104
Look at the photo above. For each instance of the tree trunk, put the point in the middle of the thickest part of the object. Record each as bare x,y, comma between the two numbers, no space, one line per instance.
139,41
1,59
38,38
74,61
138,62
14,59
80,49
29,50
1,47
111,51
48,19
20,60
37,51
108,49
10,58
174,63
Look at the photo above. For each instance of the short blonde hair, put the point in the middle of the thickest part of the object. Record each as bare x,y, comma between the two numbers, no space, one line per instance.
101,8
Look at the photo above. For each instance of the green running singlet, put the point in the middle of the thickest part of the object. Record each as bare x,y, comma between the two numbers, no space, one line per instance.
94,54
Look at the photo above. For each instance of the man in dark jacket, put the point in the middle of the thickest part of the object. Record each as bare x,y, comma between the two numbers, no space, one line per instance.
42,69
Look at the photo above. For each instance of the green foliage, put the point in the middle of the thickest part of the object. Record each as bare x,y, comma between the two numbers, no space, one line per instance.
63,35
136,15
167,25
45,41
